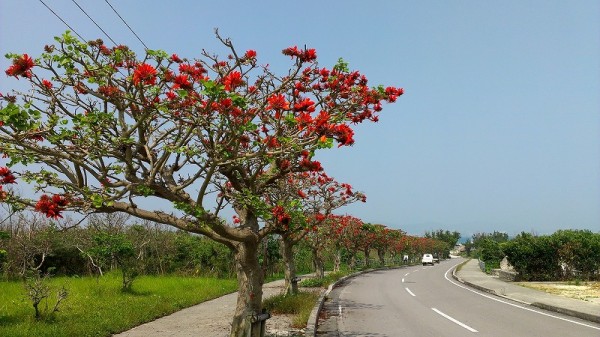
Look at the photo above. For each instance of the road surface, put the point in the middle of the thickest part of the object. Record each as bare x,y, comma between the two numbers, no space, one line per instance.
425,301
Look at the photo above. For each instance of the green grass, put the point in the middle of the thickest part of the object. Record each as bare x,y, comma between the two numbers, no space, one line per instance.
323,282
100,308
300,305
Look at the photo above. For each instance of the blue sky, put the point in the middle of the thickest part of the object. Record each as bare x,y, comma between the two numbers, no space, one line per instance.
499,128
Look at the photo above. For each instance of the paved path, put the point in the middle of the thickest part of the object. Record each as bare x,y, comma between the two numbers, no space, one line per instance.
211,318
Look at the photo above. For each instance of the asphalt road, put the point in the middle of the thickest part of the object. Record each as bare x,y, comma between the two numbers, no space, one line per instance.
426,301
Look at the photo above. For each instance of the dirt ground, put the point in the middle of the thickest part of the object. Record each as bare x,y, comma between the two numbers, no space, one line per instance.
587,291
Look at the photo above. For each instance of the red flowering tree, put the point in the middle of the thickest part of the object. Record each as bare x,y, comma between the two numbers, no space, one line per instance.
177,141
349,234
309,198
384,239
321,196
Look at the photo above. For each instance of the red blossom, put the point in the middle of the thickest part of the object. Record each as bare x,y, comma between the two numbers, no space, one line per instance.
280,215
277,102
233,80
306,105
196,70
272,142
307,55
51,207
176,58
171,95
144,73
104,50
250,54
301,194
182,81
47,84
108,90
21,66
7,176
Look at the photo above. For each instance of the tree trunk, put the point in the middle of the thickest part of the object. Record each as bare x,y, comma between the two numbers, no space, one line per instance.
337,262
352,262
381,254
367,256
318,262
291,284
250,282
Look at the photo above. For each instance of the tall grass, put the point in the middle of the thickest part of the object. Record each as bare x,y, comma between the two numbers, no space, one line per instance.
100,308
300,305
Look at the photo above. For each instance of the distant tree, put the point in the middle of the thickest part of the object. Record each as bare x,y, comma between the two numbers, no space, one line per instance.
451,238
479,238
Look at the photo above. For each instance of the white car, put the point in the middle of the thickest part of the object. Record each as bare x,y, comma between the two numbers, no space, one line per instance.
427,259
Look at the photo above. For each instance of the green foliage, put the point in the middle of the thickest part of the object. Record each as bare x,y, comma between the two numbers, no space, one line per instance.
491,254
323,282
564,255
98,308
579,253
450,238
478,238
21,119
197,255
117,248
534,257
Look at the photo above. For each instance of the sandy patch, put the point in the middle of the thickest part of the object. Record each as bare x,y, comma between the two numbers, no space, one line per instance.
587,291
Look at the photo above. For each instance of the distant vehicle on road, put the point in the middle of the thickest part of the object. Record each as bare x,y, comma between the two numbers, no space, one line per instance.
436,258
427,259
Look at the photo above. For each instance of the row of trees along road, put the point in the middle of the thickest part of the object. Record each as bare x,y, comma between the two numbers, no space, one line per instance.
30,243
180,142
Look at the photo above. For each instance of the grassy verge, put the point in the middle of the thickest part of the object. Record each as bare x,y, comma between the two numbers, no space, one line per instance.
100,308
300,305
323,282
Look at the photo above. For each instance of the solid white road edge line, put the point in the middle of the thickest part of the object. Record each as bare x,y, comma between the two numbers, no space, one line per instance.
410,292
514,305
454,320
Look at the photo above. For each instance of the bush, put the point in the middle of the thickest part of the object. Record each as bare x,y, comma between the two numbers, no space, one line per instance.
534,257
491,254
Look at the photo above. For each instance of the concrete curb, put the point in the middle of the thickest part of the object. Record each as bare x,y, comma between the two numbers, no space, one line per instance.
311,325
541,305
569,312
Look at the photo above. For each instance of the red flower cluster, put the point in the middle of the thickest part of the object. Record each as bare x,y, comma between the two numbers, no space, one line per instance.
182,82
277,102
47,84
393,93
7,176
280,215
307,55
21,67
250,54
196,70
108,90
144,73
51,207
232,80
176,58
